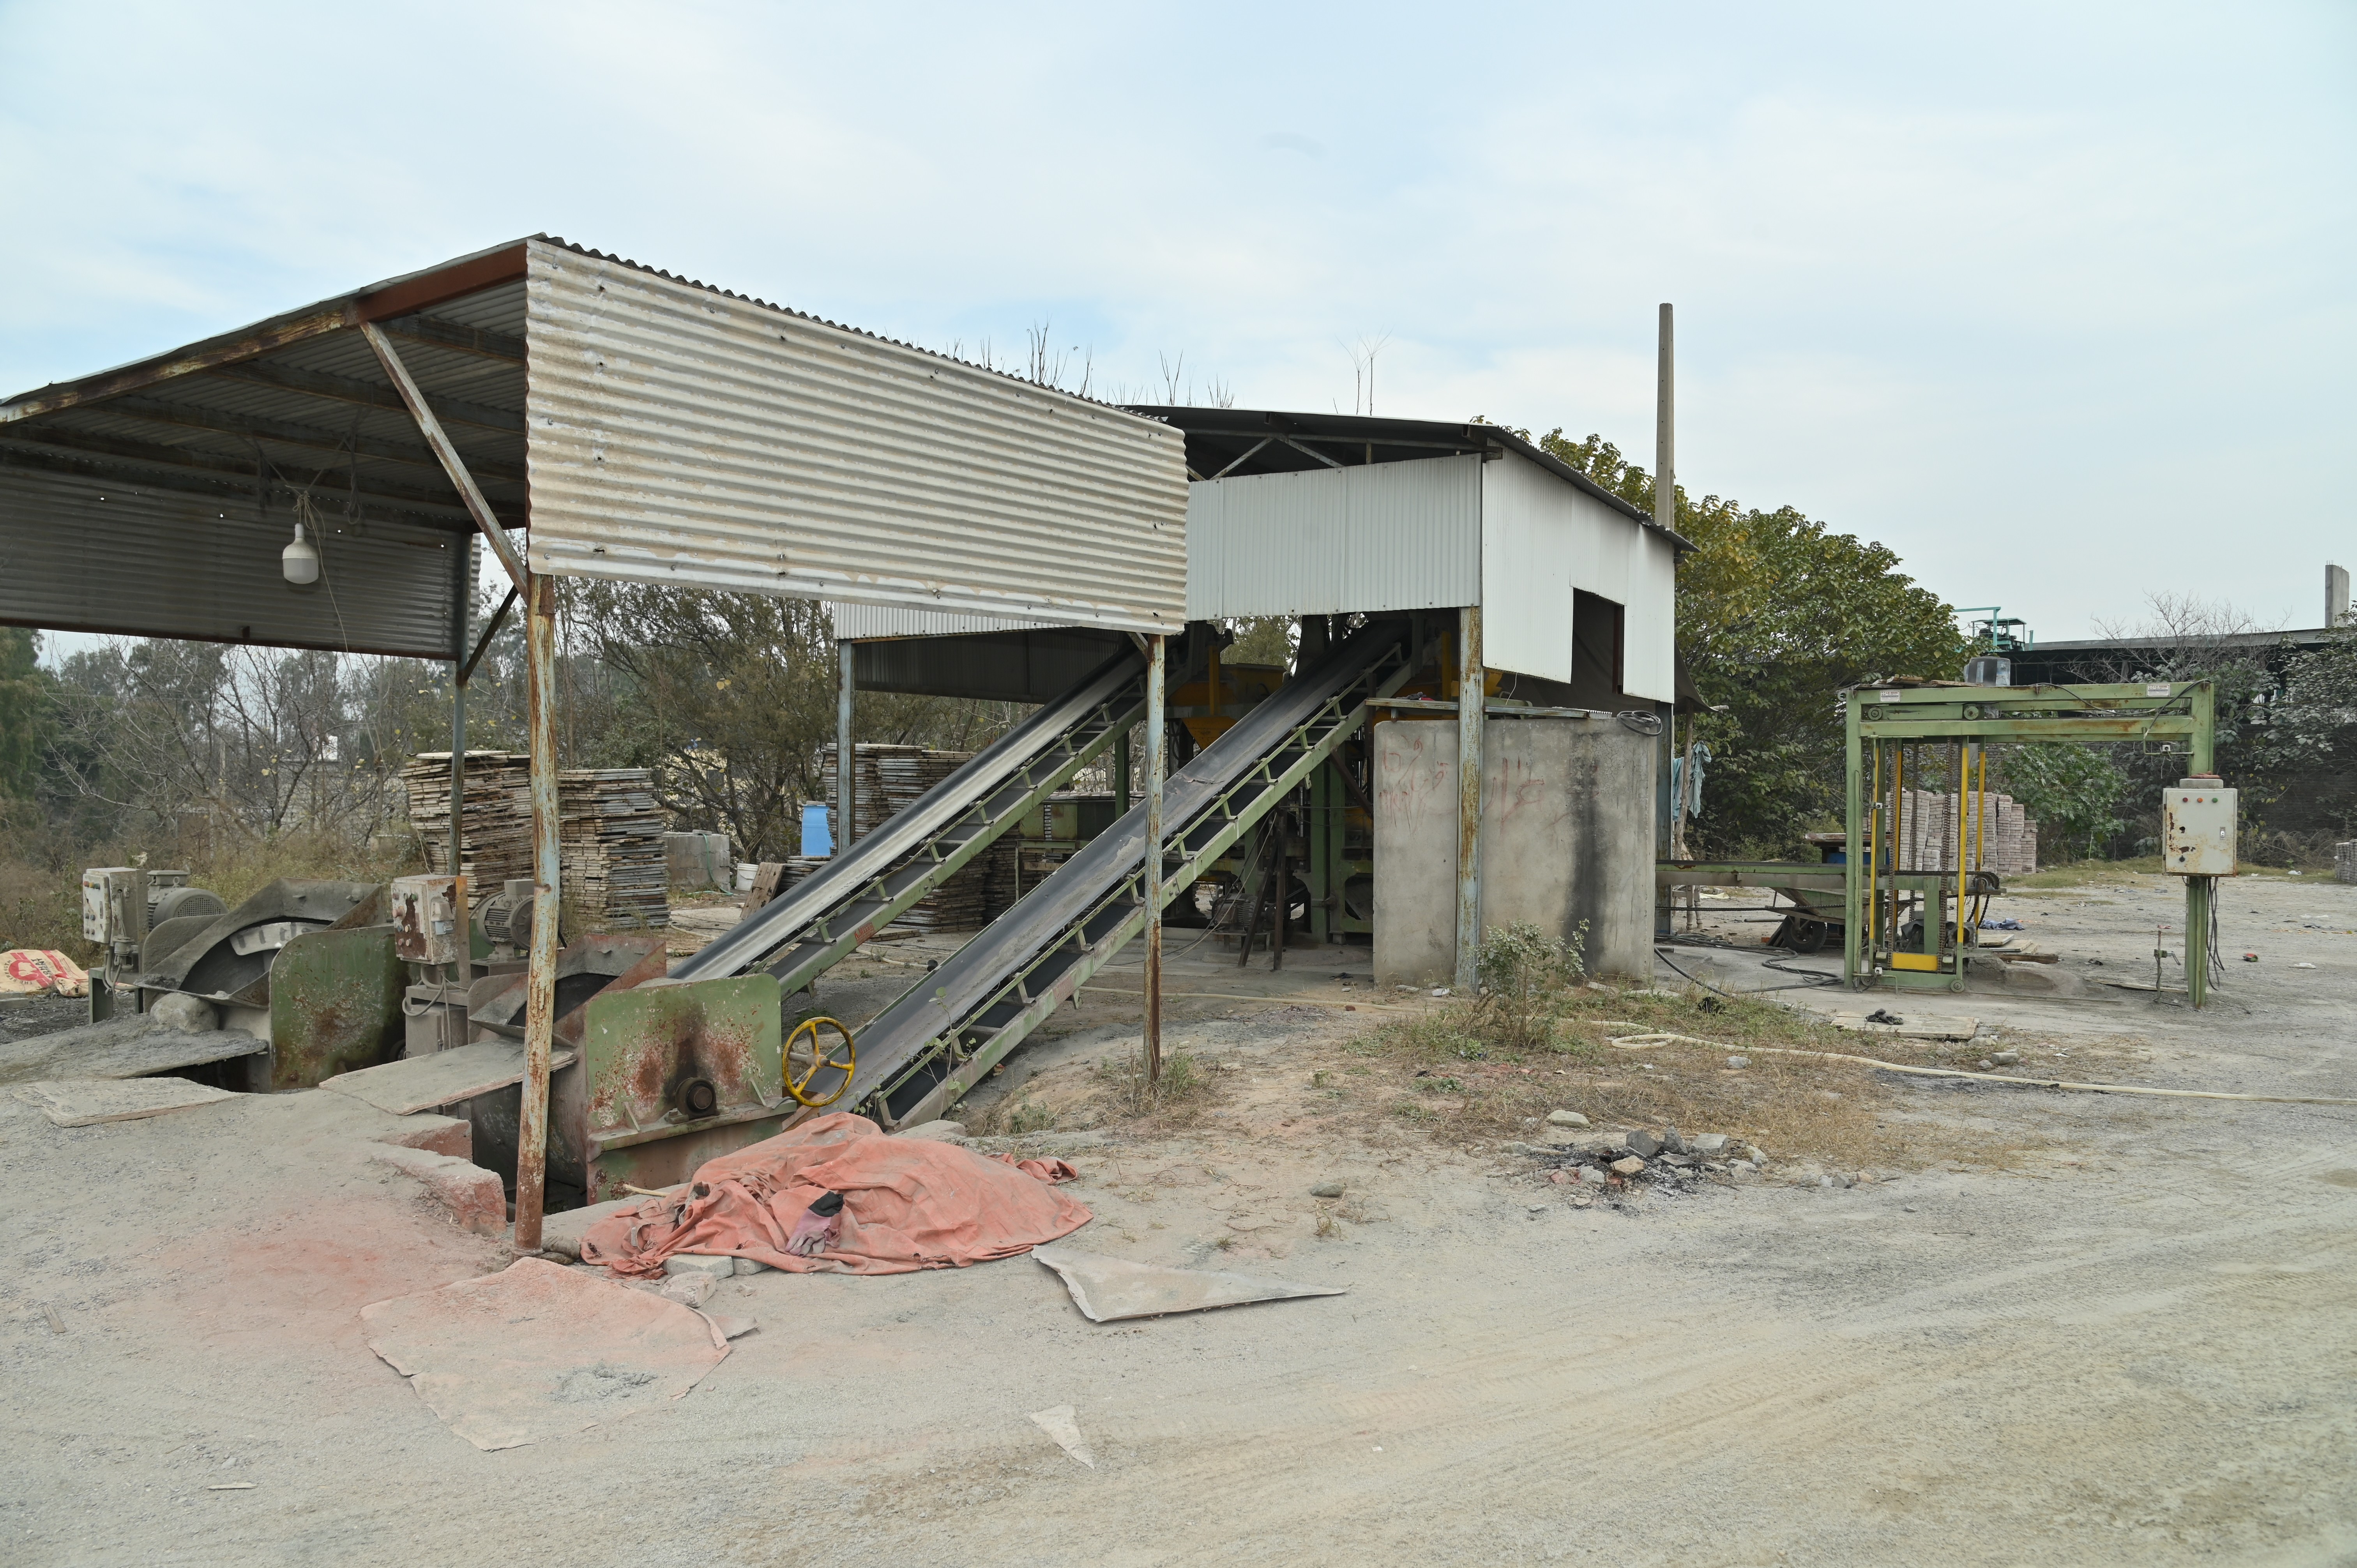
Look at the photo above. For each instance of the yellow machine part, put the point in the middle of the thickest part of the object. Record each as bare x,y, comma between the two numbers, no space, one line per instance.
1924,960
1239,685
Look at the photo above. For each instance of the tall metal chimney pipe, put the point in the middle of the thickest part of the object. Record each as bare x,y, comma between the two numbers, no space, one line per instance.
1665,430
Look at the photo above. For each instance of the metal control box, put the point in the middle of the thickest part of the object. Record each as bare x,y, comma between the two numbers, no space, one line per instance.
426,920
114,905
2197,828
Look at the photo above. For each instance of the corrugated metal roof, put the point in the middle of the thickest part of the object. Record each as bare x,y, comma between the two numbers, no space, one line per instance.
862,623
1038,506
1266,441
682,434
87,553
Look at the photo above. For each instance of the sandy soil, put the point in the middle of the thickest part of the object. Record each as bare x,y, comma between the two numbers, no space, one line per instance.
2132,1349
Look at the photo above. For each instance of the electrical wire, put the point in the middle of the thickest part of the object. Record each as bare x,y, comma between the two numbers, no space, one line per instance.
1663,953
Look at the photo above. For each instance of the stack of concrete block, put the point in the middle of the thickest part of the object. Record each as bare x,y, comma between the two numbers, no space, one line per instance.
2344,861
2000,833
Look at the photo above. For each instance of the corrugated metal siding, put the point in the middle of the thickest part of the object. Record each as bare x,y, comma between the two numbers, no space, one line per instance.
86,554
1392,536
1543,538
681,435
857,623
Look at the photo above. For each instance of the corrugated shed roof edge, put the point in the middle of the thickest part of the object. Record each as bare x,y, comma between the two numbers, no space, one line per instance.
1234,420
406,294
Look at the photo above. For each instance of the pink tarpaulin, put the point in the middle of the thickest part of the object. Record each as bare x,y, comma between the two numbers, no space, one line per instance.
908,1203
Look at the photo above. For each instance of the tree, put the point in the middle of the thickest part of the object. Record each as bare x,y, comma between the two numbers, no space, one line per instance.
27,711
729,698
1777,615
2071,789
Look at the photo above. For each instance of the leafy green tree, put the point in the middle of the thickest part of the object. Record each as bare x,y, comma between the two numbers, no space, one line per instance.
1777,615
729,698
27,711
2073,792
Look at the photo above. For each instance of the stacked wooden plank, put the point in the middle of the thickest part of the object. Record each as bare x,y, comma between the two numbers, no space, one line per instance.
495,835
609,833
889,779
610,848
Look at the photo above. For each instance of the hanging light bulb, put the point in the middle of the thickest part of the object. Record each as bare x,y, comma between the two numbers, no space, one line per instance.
300,559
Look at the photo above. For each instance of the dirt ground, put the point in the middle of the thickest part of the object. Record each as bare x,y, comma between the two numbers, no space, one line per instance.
2073,1329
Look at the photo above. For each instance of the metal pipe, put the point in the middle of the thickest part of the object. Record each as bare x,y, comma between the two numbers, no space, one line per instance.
1470,682
461,604
540,975
1156,719
465,967
1961,771
1665,428
846,775
491,631
1121,774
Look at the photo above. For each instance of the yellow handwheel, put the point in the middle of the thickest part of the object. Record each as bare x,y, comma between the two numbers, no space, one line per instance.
806,1058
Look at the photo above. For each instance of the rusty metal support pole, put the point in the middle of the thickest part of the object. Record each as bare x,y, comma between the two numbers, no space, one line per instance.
461,607
463,971
846,771
540,975
1472,690
1156,720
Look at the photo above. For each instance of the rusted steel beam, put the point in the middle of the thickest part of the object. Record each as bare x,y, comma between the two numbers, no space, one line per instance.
236,488
1156,724
540,973
490,629
455,280
431,428
401,296
207,356
367,395
846,769
173,458
286,432
449,334
1472,680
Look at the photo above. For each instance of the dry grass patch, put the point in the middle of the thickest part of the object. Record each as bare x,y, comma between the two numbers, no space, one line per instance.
1444,1072
1114,1093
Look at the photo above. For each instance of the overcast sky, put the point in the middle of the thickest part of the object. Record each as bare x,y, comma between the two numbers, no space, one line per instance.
2054,300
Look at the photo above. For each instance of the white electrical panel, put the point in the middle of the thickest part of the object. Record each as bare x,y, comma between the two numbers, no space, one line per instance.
106,893
425,924
2197,828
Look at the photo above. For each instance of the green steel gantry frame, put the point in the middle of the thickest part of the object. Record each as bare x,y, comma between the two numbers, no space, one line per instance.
1888,724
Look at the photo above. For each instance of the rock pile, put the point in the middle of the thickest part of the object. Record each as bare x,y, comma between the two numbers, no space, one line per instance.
1668,1158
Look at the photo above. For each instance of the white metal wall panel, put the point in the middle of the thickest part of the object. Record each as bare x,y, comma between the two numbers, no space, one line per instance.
1542,539
861,623
88,554
1388,536
684,435
1530,556
1652,627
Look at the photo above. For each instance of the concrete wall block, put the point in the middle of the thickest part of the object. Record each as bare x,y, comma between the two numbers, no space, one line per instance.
1567,837
451,1136
473,1195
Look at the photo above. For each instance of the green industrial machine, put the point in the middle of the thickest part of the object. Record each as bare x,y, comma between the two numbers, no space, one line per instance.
1908,928
1914,729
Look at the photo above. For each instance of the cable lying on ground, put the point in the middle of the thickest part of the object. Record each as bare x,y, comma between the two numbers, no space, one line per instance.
1646,1042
